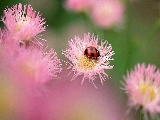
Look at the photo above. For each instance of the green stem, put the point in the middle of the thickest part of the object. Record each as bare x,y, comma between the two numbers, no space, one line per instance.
128,35
141,115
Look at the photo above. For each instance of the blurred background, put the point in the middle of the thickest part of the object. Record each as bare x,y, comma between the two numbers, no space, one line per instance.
134,37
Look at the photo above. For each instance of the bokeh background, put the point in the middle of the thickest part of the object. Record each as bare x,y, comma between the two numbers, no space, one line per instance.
136,41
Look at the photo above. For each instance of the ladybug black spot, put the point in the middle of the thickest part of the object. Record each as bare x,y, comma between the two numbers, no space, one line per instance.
98,53
86,51
92,54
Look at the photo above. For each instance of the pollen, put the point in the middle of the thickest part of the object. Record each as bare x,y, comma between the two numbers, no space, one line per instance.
21,22
148,91
85,63
28,69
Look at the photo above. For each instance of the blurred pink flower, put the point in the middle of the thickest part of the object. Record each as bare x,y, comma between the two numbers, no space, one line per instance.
82,65
69,101
142,87
6,45
33,67
10,100
1,40
9,48
107,13
1,36
17,103
24,24
77,5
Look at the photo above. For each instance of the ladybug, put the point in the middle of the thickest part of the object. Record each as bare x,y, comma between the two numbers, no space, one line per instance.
91,52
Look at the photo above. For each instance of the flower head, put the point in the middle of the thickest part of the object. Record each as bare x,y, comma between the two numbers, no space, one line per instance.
34,67
107,13
81,64
142,88
23,24
77,5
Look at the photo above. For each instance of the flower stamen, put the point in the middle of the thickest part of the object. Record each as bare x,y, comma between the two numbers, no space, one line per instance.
85,63
148,91
28,69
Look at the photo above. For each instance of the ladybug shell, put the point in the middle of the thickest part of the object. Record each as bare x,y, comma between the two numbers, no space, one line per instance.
91,52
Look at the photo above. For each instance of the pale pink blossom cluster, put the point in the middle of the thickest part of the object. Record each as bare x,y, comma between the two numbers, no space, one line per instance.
31,84
23,23
142,85
77,5
29,65
89,68
22,53
107,13
26,60
104,13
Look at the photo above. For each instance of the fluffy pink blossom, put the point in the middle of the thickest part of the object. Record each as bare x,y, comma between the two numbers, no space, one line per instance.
33,67
8,47
77,5
107,13
11,99
69,101
82,65
23,24
1,40
142,87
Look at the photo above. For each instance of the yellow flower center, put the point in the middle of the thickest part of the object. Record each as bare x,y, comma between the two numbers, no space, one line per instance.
107,11
22,22
28,69
148,92
85,63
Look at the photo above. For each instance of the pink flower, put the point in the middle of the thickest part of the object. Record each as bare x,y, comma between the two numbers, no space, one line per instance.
142,87
69,101
23,24
107,13
17,103
77,5
1,36
11,99
1,40
82,65
8,46
33,67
